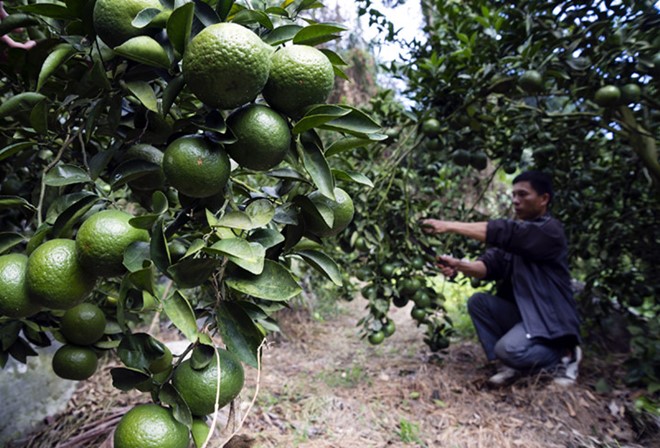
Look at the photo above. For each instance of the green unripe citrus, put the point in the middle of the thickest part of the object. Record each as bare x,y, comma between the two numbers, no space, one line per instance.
299,77
150,426
83,324
531,81
195,168
607,96
630,93
102,240
461,157
74,363
479,160
112,19
226,65
198,388
342,210
377,337
262,137
55,277
14,298
431,127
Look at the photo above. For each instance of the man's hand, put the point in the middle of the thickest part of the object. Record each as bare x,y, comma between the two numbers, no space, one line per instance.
434,226
448,265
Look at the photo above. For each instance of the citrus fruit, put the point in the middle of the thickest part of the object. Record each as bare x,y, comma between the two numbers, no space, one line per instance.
262,137
226,65
150,426
198,387
422,299
14,299
479,160
342,210
55,277
152,180
74,363
363,274
531,81
418,314
400,301
461,157
376,337
630,93
607,96
389,328
83,324
112,19
418,263
387,270
162,362
361,244
194,168
300,76
431,127
102,240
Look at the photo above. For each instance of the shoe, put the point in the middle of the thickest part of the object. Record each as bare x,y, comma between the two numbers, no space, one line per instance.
566,372
505,375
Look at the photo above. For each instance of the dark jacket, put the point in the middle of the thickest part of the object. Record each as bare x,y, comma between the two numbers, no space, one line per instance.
531,258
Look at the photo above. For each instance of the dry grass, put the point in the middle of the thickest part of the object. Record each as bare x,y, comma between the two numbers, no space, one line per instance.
321,387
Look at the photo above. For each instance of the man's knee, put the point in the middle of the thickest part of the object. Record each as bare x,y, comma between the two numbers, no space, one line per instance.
477,302
510,354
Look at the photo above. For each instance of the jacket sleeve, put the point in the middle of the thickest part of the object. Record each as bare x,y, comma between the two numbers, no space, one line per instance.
539,240
496,263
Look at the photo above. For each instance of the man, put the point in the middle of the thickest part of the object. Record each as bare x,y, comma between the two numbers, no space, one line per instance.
532,323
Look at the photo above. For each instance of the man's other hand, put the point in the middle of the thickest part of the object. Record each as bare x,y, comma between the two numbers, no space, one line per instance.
448,265
433,226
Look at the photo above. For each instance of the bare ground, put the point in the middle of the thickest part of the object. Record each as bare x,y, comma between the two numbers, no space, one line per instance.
320,386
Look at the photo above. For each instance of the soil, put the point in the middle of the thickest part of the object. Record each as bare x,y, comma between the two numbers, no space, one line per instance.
321,386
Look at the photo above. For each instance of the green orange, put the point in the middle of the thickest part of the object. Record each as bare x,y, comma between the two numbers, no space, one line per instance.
14,298
300,76
607,96
198,388
102,240
55,277
150,426
195,167
226,65
83,324
112,19
262,137
341,208
531,81
72,362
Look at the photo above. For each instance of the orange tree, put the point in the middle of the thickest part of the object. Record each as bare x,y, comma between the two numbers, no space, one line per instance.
570,88
153,110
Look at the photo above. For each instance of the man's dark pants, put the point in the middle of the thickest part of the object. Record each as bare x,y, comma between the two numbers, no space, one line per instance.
501,333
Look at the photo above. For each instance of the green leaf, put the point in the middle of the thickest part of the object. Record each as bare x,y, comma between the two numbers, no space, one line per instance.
39,117
322,263
261,212
223,7
180,410
160,253
20,103
345,144
353,176
145,50
206,14
14,148
143,92
145,222
249,256
282,34
317,34
136,254
14,21
318,116
143,279
317,167
14,201
60,54
126,378
69,217
9,333
181,314
334,58
139,350
267,237
145,17
9,240
159,202
250,16
65,174
355,122
201,356
288,174
171,92
192,272
275,283
235,220
49,10
179,26
239,333
130,170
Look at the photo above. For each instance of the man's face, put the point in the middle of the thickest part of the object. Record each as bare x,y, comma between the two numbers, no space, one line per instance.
527,203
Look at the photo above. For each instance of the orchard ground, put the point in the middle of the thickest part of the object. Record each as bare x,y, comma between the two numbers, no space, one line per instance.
321,386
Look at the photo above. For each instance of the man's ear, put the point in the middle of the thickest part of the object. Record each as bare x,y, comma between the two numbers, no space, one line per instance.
545,199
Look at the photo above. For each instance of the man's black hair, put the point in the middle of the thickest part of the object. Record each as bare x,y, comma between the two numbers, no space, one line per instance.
541,182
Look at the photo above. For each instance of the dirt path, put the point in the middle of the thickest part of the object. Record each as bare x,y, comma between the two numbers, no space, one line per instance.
321,387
